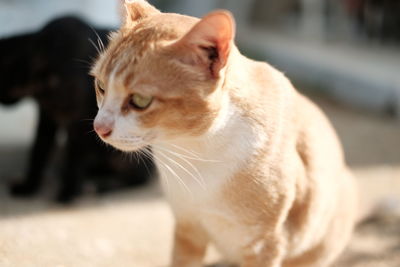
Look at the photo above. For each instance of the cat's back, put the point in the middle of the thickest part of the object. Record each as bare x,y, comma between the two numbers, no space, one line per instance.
306,147
315,129
280,103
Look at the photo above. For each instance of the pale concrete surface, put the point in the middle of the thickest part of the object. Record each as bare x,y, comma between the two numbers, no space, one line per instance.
134,228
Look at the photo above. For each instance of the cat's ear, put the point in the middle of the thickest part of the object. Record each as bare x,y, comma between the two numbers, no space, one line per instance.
135,10
209,42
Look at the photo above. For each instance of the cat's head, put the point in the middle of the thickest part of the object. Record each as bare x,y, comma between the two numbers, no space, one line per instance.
46,63
161,76
14,67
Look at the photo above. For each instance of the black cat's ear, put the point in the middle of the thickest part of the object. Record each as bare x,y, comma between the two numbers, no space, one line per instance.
209,42
135,10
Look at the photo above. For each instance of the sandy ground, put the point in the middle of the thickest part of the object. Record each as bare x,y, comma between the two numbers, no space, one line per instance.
134,228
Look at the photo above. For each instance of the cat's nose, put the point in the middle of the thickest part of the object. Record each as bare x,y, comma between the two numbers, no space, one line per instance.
103,130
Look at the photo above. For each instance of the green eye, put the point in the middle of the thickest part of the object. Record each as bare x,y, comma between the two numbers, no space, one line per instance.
140,102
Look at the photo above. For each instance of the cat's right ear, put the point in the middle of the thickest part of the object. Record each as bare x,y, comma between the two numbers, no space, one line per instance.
208,44
135,10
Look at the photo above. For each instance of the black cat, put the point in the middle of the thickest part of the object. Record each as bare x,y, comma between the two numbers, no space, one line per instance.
52,67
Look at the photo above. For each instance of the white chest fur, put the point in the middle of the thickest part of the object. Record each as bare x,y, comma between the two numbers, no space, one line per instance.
194,172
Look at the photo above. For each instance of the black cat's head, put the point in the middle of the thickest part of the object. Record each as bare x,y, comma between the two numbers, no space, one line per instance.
14,67
47,64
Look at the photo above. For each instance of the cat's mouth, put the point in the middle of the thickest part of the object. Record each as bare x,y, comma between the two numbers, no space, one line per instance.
131,143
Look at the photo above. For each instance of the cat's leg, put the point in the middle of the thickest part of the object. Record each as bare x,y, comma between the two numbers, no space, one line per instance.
190,243
316,257
267,251
338,231
39,155
75,154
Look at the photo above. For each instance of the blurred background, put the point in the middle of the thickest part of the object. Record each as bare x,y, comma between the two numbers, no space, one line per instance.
344,54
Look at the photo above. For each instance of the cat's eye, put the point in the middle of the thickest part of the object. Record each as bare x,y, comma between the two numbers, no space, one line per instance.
140,102
100,87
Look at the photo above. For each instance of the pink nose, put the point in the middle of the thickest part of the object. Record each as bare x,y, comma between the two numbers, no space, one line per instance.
102,129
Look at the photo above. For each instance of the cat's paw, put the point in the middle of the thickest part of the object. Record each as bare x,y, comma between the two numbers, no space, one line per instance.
66,196
23,190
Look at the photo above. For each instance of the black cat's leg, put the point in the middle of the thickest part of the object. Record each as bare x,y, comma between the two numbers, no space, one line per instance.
75,154
39,155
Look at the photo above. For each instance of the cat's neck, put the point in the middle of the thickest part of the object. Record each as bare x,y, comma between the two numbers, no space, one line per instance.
194,165
230,139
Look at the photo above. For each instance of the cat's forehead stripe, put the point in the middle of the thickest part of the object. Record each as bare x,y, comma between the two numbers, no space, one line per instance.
128,79
114,57
111,81
130,46
118,54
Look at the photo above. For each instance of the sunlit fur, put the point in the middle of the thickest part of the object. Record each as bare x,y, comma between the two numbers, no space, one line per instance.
247,163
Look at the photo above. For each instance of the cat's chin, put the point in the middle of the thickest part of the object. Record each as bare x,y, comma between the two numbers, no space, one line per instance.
132,144
128,149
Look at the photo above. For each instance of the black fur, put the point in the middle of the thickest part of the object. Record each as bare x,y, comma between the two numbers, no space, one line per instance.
52,67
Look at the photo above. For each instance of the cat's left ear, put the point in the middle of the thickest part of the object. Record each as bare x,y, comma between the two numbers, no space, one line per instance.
209,42
135,10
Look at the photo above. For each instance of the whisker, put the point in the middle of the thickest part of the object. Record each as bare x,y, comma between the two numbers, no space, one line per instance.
163,177
101,45
186,156
126,157
164,180
173,173
99,41
85,62
147,153
130,157
185,150
200,181
94,44
135,155
142,157
193,167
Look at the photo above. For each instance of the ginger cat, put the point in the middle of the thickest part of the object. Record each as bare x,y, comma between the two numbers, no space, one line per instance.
247,162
